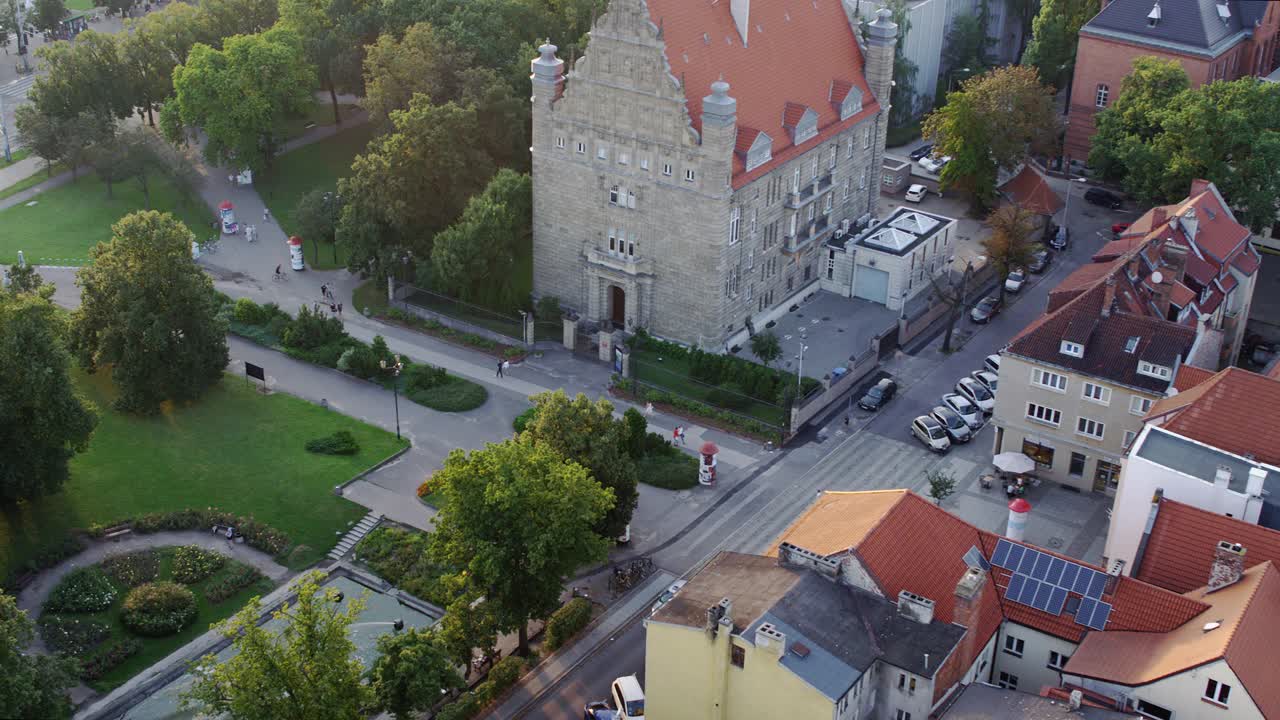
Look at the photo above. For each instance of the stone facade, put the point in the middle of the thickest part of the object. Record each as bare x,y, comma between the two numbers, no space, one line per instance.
640,217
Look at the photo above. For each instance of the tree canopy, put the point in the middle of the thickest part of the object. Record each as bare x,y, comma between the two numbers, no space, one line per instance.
1131,121
31,685
43,420
304,670
1055,34
87,75
519,520
411,673
470,258
149,314
1009,246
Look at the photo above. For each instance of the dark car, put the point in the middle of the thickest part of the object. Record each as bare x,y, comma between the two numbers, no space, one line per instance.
598,710
1118,228
879,394
957,429
1098,196
1039,262
921,152
1059,238
987,308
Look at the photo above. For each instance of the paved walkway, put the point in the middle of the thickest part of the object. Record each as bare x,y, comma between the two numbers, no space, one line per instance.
19,171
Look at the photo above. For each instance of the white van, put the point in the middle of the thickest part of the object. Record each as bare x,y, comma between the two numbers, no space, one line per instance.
628,698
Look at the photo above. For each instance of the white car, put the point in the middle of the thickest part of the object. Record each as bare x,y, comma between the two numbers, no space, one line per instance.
1015,281
934,165
976,393
931,433
992,363
968,411
628,698
666,596
989,380
916,193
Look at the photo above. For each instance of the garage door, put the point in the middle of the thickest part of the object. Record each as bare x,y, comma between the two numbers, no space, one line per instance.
871,284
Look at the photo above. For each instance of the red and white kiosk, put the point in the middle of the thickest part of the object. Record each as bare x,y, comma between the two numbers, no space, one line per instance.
227,218
295,253
707,463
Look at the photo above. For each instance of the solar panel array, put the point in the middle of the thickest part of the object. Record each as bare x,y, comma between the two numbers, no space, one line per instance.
1042,581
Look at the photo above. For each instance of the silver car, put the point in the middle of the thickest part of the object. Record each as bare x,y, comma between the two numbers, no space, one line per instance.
988,379
976,393
969,412
931,433
951,421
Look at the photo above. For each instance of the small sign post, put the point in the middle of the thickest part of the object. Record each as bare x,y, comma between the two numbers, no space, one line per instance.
255,371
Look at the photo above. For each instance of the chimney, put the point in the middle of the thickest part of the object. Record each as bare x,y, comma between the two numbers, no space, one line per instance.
717,615
1257,476
1228,565
1158,216
969,598
1108,295
1074,699
547,75
1222,478
741,11
718,108
769,637
914,607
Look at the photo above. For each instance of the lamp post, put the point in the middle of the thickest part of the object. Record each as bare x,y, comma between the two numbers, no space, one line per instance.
800,368
395,369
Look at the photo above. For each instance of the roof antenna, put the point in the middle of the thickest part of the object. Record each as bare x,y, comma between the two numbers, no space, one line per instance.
661,26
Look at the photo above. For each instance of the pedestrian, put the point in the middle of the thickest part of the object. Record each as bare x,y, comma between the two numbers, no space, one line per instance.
339,309
500,364
324,291
648,408
684,440
333,308
266,214
675,435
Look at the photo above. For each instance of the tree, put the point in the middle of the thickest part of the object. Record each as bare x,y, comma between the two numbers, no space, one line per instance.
968,46
43,420
241,96
85,76
1054,36
24,279
470,257
959,131
505,125
149,314
941,484
116,7
42,133
31,685
1009,245
46,15
158,42
428,155
317,216
519,519
305,670
411,673
585,432
229,18
468,623
765,346
1132,119
955,296
423,62
320,28
636,430
79,136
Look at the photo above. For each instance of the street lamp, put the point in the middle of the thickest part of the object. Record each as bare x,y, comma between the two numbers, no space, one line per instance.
800,368
395,369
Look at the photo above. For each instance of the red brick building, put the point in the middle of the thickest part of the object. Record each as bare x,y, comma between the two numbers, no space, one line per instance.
1211,39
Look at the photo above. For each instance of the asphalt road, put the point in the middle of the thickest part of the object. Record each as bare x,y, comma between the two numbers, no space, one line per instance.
876,449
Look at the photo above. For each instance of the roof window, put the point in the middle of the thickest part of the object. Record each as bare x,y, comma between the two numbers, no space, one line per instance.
1131,344
1153,17
1159,372
1072,349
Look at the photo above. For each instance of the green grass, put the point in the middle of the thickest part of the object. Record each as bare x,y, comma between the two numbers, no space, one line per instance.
155,649
672,374
79,5
32,180
320,114
18,156
235,449
314,166
455,395
506,324
67,221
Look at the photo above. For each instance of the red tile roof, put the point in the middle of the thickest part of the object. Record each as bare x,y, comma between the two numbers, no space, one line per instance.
1189,376
1235,410
1116,248
1179,552
1251,653
794,50
1247,262
1217,232
1029,190
1181,295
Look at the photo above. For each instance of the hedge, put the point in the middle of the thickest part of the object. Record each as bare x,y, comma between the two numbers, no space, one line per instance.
257,535
567,622
504,674
341,442
697,409
522,420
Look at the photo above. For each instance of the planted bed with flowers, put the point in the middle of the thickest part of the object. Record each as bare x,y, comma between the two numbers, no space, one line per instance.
123,614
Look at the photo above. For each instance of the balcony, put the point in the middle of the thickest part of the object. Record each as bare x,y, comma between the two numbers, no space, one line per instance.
813,232
799,199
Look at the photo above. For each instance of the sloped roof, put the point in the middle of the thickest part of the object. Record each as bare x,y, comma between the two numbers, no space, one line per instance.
1193,23
1246,639
794,50
1029,190
1189,376
1235,410
1180,550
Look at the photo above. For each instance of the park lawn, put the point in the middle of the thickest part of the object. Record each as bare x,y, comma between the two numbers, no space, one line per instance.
32,180
320,114
310,167
67,221
17,156
234,449
672,374
79,5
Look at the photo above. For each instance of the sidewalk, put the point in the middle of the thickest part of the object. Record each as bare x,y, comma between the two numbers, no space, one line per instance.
13,174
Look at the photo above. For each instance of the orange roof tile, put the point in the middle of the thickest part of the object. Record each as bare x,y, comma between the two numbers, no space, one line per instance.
837,521
1236,410
1189,376
1029,190
703,45
1180,550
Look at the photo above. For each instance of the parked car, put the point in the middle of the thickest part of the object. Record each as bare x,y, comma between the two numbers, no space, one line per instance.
922,152
933,164
1016,279
879,394
628,698
970,413
1039,262
1060,237
916,193
977,393
931,433
666,596
1098,196
987,379
987,308
1118,228
992,363
598,710
957,429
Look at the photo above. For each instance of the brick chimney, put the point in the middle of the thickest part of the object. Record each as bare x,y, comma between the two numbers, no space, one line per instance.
1158,216
967,612
1228,565
1108,295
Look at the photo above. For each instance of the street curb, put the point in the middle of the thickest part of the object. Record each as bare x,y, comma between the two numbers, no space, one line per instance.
337,489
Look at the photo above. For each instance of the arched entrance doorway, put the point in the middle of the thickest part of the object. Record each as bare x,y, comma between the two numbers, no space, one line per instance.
618,306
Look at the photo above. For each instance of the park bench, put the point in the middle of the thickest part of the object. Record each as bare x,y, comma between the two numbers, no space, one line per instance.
220,529
116,532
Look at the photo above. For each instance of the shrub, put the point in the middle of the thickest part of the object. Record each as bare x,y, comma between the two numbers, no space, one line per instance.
506,672
238,577
312,330
465,707
566,622
85,590
455,395
158,609
341,442
399,556
132,569
256,535
671,471
523,419
249,312
192,563
72,635
424,377
635,428
115,653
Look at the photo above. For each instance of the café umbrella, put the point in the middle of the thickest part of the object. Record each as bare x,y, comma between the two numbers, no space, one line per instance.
1013,462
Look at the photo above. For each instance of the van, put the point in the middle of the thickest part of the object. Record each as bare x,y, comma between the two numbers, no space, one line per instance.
628,697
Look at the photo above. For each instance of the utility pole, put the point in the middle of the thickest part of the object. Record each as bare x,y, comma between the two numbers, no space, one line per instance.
4,133
22,44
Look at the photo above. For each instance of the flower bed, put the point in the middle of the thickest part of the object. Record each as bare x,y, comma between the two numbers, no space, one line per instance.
73,635
107,660
399,556
132,569
239,577
158,609
192,563
257,535
86,590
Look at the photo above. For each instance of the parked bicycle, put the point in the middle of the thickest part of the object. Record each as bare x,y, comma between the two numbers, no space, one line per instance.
210,245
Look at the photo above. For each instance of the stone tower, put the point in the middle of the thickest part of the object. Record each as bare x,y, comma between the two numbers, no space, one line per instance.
882,41
719,133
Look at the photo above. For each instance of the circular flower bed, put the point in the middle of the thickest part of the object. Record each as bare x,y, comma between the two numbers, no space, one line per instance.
86,590
158,609
192,563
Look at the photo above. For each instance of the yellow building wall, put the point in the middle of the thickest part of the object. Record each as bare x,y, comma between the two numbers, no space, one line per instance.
680,682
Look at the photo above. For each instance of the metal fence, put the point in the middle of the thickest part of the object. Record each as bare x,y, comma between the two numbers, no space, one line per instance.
716,397
465,315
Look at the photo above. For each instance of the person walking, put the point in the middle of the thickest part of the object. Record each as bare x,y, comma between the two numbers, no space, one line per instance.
500,364
324,291
339,309
266,214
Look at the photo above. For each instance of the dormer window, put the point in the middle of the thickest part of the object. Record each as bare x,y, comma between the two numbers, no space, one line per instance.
1072,349
1159,372
760,152
852,104
801,122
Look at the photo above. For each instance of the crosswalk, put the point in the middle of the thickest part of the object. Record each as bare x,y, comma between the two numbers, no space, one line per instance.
18,88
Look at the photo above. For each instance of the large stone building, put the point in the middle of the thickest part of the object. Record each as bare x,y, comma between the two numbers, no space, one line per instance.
689,166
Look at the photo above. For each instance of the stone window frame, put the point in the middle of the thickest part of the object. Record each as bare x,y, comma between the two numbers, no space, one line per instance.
1100,95
690,175
644,163
735,225
602,152
560,142
667,170
582,148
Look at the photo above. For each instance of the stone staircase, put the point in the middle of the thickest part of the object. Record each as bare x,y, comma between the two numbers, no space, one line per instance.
355,535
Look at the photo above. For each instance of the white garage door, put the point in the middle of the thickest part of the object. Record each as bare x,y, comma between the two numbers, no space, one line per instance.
872,284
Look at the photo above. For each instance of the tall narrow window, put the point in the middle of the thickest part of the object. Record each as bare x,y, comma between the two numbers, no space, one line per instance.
866,137
688,175
1100,97
831,161
755,215
613,195
862,182
560,143
631,199
850,147
795,181
735,219
847,183
613,240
